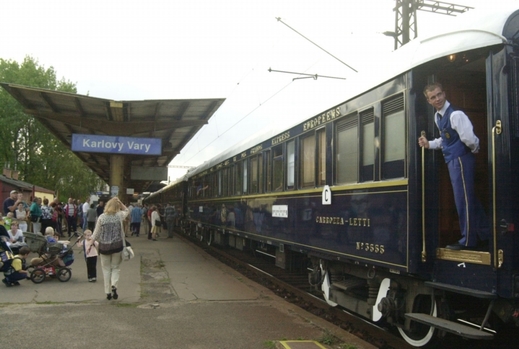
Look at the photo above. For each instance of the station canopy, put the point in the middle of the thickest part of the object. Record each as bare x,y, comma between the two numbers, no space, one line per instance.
174,121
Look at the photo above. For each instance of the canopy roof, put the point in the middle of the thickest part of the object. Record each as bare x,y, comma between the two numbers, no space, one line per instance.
175,121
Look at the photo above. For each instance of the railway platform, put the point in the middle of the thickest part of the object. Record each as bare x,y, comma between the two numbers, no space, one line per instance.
171,295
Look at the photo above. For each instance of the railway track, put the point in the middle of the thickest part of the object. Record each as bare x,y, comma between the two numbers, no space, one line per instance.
295,288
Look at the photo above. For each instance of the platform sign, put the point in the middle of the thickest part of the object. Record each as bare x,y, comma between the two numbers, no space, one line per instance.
114,190
116,144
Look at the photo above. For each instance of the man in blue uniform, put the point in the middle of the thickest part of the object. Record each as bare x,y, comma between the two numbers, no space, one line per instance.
458,144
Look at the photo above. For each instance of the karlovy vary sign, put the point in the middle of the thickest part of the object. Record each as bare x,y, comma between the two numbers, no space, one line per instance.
116,144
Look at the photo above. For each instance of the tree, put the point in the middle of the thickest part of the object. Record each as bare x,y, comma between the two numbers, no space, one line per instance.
26,145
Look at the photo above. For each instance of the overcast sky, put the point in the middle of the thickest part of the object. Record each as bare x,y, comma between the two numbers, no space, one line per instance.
172,49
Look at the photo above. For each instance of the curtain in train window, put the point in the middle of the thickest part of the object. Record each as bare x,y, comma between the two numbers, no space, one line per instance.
261,175
321,157
254,185
308,161
367,135
346,150
268,171
225,181
245,174
291,164
277,169
220,183
393,138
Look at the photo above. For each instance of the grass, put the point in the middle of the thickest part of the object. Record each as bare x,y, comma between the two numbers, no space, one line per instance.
126,305
327,338
330,339
269,344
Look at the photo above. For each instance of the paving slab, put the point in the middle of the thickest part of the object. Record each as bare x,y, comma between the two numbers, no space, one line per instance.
172,295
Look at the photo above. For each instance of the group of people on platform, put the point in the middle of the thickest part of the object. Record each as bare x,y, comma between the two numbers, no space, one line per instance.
156,217
105,228
41,214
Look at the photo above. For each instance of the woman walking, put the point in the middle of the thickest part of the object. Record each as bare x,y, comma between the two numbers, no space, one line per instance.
155,223
109,232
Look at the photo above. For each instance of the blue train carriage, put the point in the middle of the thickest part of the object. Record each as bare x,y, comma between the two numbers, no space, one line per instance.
174,193
351,193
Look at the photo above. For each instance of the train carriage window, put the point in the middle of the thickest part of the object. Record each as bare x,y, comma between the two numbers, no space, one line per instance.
368,145
245,174
321,157
214,185
230,184
208,186
346,151
254,185
261,175
393,138
308,161
220,189
268,172
238,177
291,163
277,169
225,181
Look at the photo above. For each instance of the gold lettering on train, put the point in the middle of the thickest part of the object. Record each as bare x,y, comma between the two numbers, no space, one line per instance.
256,149
321,119
372,248
359,222
281,138
329,220
352,221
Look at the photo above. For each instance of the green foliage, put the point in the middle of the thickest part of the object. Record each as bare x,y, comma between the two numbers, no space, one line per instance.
269,344
26,145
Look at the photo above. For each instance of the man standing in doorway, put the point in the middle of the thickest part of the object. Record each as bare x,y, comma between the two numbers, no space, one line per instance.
458,144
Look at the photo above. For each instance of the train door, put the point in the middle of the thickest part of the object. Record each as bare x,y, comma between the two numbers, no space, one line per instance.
468,93
468,87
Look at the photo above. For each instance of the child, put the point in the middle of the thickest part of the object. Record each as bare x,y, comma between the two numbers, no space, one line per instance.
90,250
17,270
7,220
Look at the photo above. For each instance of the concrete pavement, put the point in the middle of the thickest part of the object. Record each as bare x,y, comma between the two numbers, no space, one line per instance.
171,295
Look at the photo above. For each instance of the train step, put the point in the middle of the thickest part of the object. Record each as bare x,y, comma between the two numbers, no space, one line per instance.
349,283
450,326
461,290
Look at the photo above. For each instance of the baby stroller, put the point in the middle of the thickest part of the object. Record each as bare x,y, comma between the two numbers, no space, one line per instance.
50,253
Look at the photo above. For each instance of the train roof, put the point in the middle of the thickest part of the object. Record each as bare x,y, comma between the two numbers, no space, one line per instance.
169,186
483,28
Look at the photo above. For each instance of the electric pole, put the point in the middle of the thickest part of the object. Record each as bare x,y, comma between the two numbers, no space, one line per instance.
405,17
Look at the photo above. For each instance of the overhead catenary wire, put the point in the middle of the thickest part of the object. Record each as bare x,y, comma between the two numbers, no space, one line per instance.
314,76
240,120
279,20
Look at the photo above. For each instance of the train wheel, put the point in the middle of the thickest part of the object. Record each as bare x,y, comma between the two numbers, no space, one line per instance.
37,276
326,285
209,238
420,335
64,274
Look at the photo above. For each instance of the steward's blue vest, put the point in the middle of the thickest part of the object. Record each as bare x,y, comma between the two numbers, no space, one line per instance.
452,146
